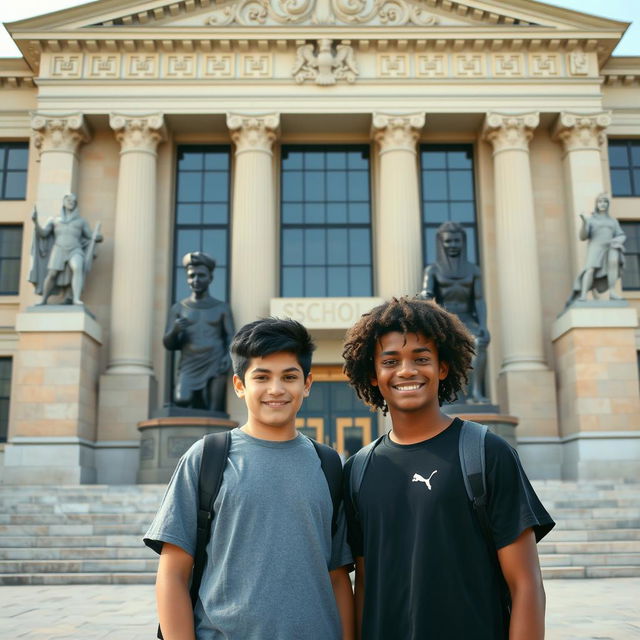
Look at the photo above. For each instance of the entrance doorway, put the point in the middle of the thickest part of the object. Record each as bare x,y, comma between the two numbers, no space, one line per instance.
333,414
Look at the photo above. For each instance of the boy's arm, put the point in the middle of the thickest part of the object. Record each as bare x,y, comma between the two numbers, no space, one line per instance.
521,569
359,595
344,599
172,593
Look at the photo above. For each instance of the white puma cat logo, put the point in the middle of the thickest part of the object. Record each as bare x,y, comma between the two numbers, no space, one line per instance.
418,478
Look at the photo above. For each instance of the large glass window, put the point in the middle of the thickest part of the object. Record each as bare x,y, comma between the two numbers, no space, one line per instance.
631,273
624,164
10,251
5,396
202,213
14,158
326,221
448,194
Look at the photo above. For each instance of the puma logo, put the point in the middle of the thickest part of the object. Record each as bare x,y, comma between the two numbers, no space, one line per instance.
418,478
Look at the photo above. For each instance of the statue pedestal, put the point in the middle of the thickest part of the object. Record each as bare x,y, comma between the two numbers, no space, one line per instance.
598,399
489,414
163,441
53,399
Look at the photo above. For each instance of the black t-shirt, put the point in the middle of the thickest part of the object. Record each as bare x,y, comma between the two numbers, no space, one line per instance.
428,573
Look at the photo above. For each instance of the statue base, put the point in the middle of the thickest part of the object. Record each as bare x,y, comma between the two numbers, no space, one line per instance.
489,414
163,440
173,411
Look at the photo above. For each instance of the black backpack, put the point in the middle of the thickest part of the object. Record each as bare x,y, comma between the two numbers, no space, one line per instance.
472,462
214,459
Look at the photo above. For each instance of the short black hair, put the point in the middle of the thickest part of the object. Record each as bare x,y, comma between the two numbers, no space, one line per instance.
407,315
271,335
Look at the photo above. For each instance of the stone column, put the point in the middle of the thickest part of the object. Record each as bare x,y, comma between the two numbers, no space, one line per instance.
584,180
58,139
127,389
526,386
398,229
134,243
254,245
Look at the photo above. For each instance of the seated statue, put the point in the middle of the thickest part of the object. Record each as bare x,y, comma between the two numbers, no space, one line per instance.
456,284
201,328
605,253
62,253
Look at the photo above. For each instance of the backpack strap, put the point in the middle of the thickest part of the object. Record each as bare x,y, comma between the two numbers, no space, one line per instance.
214,459
332,468
360,461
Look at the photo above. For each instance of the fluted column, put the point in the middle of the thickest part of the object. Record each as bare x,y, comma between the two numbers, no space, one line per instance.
580,135
517,256
254,253
58,139
133,264
398,222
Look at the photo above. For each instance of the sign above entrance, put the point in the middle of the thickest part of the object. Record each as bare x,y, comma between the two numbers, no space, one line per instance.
323,313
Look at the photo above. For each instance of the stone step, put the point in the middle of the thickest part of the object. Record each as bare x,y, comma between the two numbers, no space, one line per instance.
143,519
71,541
77,578
578,535
615,546
552,573
149,564
599,523
76,553
80,508
69,529
590,559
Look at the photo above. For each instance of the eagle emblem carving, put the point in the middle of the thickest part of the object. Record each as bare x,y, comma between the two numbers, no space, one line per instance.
326,66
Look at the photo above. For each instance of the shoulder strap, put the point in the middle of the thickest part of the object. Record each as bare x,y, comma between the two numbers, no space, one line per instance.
358,467
332,468
471,450
214,459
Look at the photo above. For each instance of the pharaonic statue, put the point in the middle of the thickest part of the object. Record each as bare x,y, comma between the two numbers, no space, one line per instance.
456,284
605,253
62,253
201,328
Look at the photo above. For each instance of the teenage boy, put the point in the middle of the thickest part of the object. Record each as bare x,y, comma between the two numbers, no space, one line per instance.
429,573
274,571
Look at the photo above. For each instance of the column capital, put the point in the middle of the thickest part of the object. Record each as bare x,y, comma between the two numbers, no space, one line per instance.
510,132
397,132
138,133
63,133
253,132
579,131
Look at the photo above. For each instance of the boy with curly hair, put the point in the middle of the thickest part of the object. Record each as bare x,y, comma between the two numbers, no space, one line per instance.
429,573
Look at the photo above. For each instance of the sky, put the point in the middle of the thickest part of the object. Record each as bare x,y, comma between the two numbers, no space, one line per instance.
625,10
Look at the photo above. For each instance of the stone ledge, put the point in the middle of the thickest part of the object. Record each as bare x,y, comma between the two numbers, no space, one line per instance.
58,319
594,317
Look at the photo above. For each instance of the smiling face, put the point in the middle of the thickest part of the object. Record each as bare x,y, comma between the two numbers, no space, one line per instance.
408,372
273,389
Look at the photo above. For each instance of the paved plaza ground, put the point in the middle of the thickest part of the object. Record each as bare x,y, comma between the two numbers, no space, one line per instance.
607,609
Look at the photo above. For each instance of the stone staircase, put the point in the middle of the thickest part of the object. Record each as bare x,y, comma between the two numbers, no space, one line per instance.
92,534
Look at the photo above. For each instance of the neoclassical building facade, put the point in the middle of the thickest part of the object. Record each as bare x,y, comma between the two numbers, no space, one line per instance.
313,147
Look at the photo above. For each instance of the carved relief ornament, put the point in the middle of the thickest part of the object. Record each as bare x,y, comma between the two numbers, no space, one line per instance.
59,133
325,67
395,132
138,133
508,132
581,131
253,133
321,12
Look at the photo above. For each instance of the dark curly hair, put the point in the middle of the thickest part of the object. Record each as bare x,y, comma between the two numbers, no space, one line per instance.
408,315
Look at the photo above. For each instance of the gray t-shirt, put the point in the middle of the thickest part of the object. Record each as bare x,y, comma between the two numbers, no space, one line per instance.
270,553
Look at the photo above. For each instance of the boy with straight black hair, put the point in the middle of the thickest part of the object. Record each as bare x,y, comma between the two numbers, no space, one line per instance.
424,569
275,568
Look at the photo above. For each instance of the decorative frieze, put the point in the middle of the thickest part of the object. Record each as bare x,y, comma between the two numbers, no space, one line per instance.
105,66
469,65
253,65
432,65
219,65
578,63
180,66
392,65
59,133
324,64
141,66
508,65
544,65
67,66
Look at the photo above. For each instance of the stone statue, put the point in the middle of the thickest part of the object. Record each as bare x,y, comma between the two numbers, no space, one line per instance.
201,328
456,284
605,253
62,253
